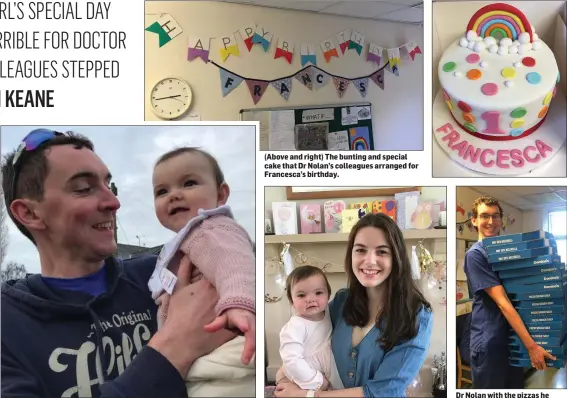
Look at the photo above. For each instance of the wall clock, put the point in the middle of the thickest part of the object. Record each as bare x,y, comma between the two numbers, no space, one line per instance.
171,98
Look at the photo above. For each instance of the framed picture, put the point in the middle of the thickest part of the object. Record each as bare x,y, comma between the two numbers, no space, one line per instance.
307,193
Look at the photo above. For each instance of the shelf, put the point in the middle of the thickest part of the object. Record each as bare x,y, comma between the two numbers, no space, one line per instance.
410,234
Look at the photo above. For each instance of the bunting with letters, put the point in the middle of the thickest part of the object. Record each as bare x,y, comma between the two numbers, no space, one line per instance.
262,36
198,48
343,38
412,49
308,54
230,46
284,49
166,28
247,34
311,76
329,49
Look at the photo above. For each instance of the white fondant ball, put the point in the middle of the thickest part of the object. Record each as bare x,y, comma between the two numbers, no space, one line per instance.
516,43
458,74
484,64
493,48
471,44
479,46
536,45
524,49
464,42
505,42
509,83
471,35
518,64
535,37
524,38
488,40
502,50
513,50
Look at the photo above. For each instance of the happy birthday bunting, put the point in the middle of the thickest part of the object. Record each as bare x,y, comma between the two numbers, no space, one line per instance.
356,42
198,48
283,86
362,85
378,78
329,49
305,76
308,54
247,33
230,47
320,78
374,53
229,81
284,49
263,37
393,69
343,38
166,28
412,49
257,89
341,85
393,57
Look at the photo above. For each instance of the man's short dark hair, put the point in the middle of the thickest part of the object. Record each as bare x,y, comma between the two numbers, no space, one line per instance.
219,176
33,170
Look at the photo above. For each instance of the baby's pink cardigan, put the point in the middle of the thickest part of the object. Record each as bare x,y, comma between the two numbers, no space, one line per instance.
221,252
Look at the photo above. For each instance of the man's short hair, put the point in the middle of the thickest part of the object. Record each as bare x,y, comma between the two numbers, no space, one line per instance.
486,200
33,170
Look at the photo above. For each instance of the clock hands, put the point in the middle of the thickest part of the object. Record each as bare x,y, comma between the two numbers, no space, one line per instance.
171,96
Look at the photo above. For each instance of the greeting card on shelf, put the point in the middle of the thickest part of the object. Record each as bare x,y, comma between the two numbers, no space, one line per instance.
422,217
332,212
285,218
350,218
363,208
310,218
387,207
406,204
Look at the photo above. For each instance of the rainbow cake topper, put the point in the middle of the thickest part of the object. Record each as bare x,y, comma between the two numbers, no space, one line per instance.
500,21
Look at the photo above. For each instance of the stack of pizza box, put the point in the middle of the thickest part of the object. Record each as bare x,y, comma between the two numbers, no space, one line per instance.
534,278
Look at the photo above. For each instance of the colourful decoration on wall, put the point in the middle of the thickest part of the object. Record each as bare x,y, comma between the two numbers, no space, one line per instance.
343,38
500,21
310,76
461,209
359,138
329,49
198,48
394,58
412,49
263,37
166,28
247,33
230,46
374,53
284,49
394,69
308,54
356,42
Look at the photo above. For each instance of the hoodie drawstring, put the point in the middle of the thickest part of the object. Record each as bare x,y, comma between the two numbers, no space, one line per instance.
100,349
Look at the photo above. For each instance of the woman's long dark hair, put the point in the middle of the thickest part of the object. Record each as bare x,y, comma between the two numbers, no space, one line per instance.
397,319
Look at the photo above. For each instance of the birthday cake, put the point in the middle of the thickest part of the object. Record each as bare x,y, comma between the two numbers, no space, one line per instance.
498,81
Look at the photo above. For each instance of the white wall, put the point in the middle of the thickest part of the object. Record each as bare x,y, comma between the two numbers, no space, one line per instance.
396,110
451,18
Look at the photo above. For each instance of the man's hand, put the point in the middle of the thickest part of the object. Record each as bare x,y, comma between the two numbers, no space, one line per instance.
182,339
245,321
538,355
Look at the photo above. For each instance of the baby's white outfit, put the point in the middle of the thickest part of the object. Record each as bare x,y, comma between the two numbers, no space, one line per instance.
305,348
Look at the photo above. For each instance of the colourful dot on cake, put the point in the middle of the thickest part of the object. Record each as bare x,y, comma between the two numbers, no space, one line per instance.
533,77
518,112
516,132
542,112
489,89
449,67
554,91
474,74
468,117
548,98
464,106
517,123
473,58
509,73
470,127
528,61
449,105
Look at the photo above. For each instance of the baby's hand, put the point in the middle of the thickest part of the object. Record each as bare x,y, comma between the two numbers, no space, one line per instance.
244,321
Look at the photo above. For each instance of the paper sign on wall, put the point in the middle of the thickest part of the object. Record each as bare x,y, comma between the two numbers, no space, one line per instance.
338,141
317,115
349,116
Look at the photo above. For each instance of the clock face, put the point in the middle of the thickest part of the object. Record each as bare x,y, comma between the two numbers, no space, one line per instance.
171,98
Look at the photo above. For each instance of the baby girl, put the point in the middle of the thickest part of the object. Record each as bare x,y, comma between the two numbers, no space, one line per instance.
189,196
305,341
